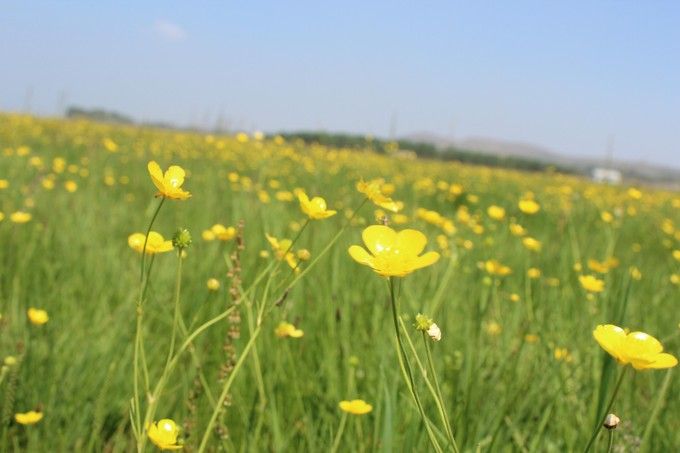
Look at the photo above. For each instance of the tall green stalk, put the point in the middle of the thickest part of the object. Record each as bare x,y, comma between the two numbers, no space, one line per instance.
606,411
409,373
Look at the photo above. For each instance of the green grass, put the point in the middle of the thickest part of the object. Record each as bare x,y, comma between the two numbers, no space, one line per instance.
502,392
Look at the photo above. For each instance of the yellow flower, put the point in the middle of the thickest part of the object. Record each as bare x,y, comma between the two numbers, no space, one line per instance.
591,283
286,329
213,284
20,217
496,212
304,255
283,250
607,217
315,208
529,206
393,254
110,145
533,272
223,233
169,185
494,267
28,418
71,186
155,243
531,244
562,354
517,229
37,317
164,434
634,193
531,338
372,190
493,328
4,184
639,349
355,407
676,255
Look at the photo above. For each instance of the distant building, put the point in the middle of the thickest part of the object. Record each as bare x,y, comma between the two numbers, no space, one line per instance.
607,175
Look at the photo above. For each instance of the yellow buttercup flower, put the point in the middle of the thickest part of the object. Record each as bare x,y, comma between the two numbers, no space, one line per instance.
393,254
20,217
37,316
286,329
532,244
533,272
169,184
355,407
315,208
373,191
517,229
496,212
223,233
639,349
164,434
283,250
529,206
155,244
494,267
213,284
591,283
28,418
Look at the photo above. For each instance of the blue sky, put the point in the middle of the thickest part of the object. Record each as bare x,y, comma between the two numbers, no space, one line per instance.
564,75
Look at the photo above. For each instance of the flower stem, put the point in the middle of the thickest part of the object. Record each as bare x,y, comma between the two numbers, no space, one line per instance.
146,237
409,373
606,411
138,345
175,322
338,436
439,398
610,443
225,389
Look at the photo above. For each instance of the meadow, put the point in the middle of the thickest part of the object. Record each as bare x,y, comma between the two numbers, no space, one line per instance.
270,335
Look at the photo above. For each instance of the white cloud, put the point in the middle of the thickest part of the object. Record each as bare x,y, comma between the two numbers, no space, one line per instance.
169,31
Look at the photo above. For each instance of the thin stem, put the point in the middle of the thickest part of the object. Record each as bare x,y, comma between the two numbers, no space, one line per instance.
138,345
409,373
154,397
610,443
326,249
146,237
175,322
225,389
338,435
606,411
439,398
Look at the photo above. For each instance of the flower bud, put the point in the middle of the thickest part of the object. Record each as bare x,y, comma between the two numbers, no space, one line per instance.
434,332
423,322
182,239
611,421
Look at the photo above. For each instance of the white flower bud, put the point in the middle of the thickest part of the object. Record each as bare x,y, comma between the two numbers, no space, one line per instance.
434,332
611,421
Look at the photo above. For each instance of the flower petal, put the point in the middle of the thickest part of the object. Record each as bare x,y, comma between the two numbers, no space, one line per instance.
379,238
663,360
610,338
410,242
426,260
360,255
174,177
156,175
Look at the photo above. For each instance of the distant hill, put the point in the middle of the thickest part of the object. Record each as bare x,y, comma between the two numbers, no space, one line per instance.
636,170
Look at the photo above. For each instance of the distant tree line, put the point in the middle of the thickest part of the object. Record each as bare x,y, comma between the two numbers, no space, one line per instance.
422,150
107,116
